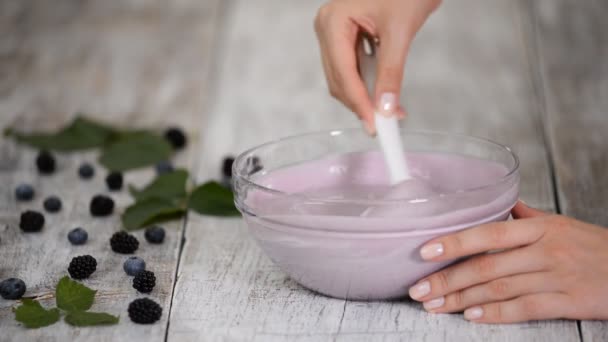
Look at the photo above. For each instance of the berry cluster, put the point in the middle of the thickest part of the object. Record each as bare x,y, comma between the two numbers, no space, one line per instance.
81,267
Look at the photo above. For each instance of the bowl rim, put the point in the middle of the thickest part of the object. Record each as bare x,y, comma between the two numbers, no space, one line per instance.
240,176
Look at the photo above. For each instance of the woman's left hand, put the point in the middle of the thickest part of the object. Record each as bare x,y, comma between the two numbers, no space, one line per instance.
542,267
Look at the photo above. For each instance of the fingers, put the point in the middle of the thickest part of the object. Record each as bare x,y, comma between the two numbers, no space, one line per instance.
487,237
525,308
493,291
337,37
476,270
522,210
392,52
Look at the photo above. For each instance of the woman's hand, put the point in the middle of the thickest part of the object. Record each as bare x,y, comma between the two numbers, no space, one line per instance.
394,23
548,266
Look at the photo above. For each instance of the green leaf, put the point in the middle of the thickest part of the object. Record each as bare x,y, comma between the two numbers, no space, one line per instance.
86,319
80,134
213,199
152,210
73,296
132,150
33,315
170,185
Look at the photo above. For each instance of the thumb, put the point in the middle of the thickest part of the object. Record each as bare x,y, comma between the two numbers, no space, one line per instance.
522,210
392,52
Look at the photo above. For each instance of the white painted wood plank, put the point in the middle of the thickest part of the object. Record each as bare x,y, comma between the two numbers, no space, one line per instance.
463,75
133,63
572,43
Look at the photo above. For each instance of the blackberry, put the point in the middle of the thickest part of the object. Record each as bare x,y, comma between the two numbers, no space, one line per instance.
101,205
124,243
176,137
134,265
45,162
12,288
114,180
86,171
24,192
31,221
144,281
155,234
164,167
78,236
144,311
227,167
82,267
52,204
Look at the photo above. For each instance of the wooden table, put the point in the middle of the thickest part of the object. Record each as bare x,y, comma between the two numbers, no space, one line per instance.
529,74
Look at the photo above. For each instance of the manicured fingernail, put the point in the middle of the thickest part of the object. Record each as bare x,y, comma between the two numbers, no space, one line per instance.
473,313
387,105
420,290
434,303
431,251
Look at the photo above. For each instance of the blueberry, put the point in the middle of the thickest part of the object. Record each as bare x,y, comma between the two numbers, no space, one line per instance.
12,288
45,162
114,180
227,167
24,192
155,234
176,137
164,167
52,204
78,236
86,171
134,265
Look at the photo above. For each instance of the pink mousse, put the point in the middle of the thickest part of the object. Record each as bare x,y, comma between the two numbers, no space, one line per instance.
340,229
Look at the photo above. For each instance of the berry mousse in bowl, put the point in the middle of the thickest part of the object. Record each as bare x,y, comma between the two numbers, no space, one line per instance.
321,206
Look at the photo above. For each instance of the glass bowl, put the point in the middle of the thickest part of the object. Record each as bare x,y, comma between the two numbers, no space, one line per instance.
362,242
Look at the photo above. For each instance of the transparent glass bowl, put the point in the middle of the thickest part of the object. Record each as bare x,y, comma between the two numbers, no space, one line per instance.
326,244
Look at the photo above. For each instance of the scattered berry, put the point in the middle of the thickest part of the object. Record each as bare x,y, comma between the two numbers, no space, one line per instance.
164,167
144,311
12,288
227,167
176,137
78,236
134,265
124,243
45,162
86,171
81,267
101,205
114,180
52,204
155,234
31,221
144,281
24,192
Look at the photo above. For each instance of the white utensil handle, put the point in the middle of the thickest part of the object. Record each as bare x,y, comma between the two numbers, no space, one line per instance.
391,145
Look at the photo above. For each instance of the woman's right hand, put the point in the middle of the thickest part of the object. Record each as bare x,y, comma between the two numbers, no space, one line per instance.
394,23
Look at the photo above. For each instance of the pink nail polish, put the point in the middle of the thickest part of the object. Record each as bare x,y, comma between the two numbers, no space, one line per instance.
387,105
434,303
420,290
431,251
473,313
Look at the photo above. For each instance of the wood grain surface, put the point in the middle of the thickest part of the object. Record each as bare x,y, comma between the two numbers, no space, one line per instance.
237,73
122,64
572,43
